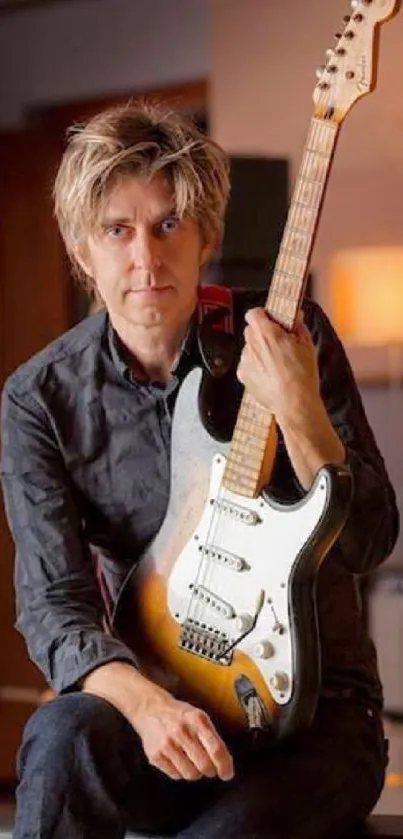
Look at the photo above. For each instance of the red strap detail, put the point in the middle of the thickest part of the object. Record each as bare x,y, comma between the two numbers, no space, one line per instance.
216,297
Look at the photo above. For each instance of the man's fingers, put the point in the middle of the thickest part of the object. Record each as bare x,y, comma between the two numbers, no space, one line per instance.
183,763
168,768
199,756
216,749
175,763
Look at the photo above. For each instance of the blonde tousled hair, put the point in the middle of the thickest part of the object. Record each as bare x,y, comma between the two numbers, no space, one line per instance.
140,139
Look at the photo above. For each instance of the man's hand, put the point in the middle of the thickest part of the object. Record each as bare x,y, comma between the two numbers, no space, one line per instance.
181,741
280,370
177,738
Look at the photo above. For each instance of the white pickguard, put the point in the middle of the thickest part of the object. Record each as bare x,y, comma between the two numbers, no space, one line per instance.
268,550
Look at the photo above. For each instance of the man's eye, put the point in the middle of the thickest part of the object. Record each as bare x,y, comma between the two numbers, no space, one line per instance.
169,224
117,231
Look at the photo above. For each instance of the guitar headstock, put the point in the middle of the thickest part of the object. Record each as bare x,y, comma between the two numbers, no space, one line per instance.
350,71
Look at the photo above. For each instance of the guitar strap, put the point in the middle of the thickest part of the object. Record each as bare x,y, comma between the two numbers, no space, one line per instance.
216,300
215,332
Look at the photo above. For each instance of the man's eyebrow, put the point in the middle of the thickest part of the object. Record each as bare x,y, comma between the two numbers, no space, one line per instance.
111,221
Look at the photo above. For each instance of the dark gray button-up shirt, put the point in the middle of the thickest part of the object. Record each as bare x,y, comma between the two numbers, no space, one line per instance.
85,467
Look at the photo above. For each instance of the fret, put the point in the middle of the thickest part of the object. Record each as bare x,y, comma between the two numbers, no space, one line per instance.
243,447
240,485
255,416
247,492
305,206
308,193
281,273
283,300
239,475
244,465
242,471
290,264
311,181
286,253
317,168
243,452
298,231
246,478
299,242
249,439
251,470
243,444
316,152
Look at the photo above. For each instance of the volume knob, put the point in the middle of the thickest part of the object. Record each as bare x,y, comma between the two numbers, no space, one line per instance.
279,681
243,623
263,649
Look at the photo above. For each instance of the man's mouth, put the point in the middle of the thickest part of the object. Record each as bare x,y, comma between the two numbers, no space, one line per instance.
148,289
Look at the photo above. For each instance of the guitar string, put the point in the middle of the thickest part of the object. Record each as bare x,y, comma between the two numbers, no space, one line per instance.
320,134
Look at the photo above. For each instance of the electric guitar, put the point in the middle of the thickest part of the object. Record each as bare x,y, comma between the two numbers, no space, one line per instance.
221,608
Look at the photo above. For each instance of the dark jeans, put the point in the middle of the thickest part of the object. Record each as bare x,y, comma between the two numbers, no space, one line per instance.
83,775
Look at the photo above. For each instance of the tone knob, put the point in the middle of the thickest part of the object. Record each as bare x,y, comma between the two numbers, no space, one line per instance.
279,681
243,623
263,649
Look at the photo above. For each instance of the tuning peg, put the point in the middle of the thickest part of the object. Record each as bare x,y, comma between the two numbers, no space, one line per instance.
355,4
337,36
320,71
329,53
346,18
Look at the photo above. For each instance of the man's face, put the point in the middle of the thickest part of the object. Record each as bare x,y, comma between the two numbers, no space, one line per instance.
144,260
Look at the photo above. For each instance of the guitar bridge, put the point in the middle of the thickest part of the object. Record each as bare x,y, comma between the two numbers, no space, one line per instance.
212,645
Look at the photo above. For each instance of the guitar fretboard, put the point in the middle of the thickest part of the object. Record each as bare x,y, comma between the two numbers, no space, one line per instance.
246,469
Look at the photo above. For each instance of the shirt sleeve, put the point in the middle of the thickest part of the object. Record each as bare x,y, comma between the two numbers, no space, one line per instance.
371,530
59,605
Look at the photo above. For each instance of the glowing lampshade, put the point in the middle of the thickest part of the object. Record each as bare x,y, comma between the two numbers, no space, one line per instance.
366,295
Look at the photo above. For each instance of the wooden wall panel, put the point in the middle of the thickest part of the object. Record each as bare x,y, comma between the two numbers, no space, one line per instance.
35,308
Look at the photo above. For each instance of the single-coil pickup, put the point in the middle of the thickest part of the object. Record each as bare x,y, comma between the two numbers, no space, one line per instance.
213,601
236,511
220,557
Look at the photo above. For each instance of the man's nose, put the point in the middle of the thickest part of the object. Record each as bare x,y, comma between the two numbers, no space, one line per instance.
146,251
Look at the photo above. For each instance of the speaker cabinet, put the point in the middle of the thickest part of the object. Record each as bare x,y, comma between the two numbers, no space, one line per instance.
254,224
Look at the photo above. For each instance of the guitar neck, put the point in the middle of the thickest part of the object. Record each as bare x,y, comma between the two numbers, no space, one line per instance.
290,273
252,451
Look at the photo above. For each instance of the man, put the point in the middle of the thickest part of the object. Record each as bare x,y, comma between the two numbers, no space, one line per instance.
140,199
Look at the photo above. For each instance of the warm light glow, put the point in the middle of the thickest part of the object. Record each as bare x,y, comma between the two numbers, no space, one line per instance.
366,295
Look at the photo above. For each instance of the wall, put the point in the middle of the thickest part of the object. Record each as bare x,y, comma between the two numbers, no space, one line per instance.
95,48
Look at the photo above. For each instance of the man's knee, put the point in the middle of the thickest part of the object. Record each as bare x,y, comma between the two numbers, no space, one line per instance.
57,726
